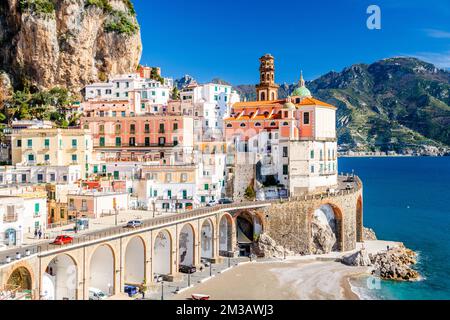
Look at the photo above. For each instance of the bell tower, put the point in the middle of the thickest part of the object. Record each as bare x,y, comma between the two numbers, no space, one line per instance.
267,89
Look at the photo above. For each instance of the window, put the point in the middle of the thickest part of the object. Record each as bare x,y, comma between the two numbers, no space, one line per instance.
132,128
118,142
183,177
46,143
123,113
175,141
306,118
312,169
285,152
153,93
47,157
52,177
229,125
312,154
272,124
102,141
74,158
175,126
71,204
169,194
257,124
161,128
285,169
147,141
206,186
62,214
29,143
132,141
184,194
19,143
31,157
101,129
116,175
147,128
36,209
168,177
40,177
118,128
114,113
285,124
74,143
83,205
242,125
161,141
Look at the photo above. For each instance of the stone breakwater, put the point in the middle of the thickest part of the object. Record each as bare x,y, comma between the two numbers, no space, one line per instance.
392,264
395,264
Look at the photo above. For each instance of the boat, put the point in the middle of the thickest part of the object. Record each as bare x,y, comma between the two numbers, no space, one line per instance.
198,296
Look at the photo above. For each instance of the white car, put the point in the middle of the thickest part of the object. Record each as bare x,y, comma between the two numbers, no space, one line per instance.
97,294
211,203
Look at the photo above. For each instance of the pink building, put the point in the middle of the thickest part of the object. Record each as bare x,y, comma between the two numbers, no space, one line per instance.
121,132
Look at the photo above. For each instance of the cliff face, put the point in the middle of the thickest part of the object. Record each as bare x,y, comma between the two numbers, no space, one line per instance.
47,43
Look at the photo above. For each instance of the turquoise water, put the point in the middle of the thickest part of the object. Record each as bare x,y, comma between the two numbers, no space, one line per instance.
408,199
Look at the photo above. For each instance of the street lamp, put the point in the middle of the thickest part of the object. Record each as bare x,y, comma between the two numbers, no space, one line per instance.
210,269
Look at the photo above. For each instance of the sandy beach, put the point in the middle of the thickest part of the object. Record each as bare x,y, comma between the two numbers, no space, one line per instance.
296,278
292,279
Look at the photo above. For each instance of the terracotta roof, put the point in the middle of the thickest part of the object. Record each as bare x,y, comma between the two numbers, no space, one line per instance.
257,103
313,101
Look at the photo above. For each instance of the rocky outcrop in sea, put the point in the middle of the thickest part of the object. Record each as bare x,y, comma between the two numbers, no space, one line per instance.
369,234
392,264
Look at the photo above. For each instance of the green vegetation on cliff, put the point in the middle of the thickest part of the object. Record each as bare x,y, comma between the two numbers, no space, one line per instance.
103,4
121,23
42,105
37,6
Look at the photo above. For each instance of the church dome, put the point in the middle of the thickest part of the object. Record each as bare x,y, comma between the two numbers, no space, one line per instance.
301,92
289,105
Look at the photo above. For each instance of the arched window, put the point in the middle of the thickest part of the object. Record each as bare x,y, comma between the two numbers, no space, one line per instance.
229,125
273,95
268,77
272,124
242,124
285,124
263,96
257,124
266,113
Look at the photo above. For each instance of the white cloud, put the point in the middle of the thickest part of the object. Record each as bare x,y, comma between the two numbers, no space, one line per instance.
439,34
439,59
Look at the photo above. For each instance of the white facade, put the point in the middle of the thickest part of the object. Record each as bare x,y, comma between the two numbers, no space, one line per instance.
165,196
11,221
213,102
211,175
12,175
121,86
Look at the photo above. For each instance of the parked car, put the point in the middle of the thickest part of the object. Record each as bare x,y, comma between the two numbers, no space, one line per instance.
211,203
63,239
224,201
97,294
133,224
131,290
187,269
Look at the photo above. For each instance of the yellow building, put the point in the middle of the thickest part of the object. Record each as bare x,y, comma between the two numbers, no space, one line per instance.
52,147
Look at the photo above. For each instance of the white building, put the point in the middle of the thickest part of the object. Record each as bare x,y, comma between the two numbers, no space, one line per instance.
120,87
13,175
11,221
211,101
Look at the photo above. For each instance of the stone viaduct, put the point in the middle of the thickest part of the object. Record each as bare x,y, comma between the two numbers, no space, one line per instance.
108,260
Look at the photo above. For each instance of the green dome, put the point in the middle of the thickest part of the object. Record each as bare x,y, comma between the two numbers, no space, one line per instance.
301,92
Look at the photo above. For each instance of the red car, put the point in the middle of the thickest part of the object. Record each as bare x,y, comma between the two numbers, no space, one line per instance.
60,240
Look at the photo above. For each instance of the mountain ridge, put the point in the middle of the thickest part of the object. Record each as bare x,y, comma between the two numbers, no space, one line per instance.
408,96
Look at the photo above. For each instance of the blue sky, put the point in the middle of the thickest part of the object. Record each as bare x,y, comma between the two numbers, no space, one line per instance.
211,38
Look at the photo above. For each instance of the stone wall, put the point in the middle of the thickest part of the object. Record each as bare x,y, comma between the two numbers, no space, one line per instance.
289,223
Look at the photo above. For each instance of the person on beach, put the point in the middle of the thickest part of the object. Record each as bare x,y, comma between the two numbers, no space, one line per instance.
35,233
40,234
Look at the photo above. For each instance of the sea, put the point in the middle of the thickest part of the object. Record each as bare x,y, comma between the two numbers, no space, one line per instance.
407,199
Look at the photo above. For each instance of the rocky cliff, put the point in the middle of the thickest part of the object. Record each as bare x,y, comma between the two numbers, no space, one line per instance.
48,43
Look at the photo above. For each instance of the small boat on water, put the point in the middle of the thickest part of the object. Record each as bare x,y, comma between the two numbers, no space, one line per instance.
198,296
